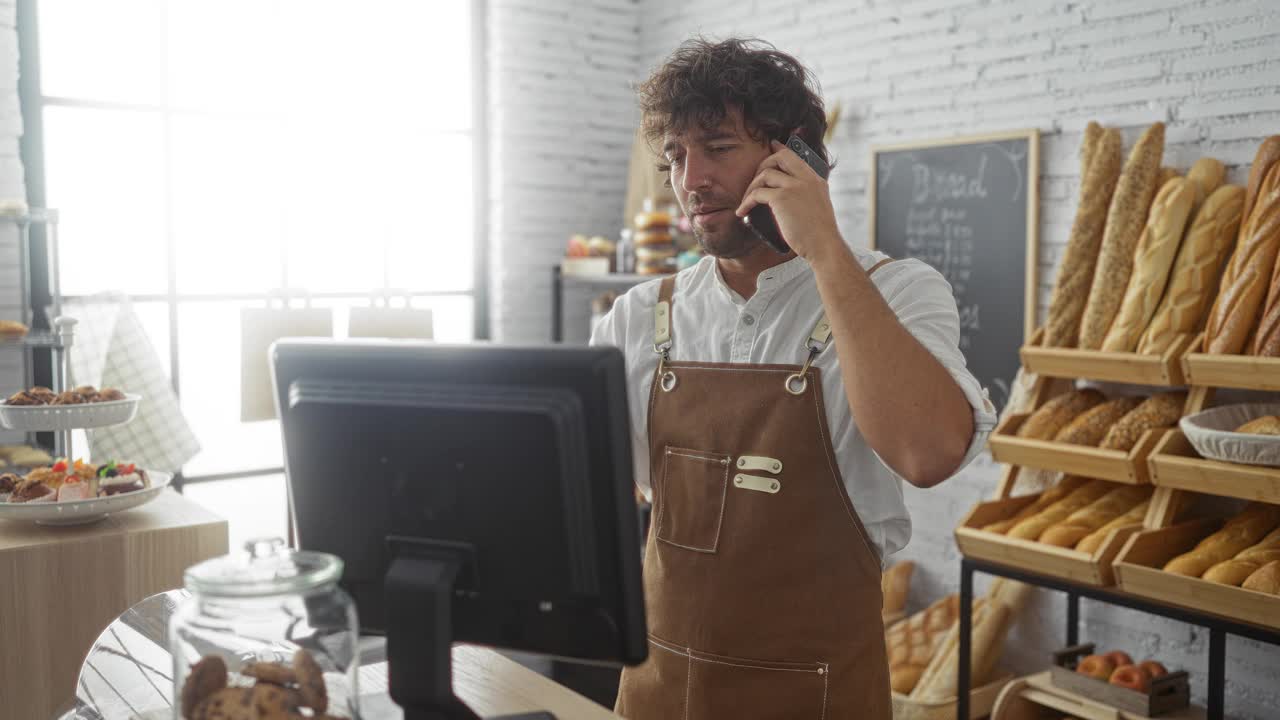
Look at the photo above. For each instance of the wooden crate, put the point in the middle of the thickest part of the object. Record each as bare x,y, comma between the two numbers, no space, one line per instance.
1175,464
1168,693
981,700
1124,367
1115,465
1088,568
1027,698
1230,371
1138,572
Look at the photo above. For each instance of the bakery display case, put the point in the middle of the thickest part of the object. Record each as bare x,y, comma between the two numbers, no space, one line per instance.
1246,372
1116,465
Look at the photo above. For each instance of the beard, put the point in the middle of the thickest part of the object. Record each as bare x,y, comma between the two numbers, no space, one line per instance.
730,240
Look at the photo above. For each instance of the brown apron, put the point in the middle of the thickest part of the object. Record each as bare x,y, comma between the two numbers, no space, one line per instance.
761,585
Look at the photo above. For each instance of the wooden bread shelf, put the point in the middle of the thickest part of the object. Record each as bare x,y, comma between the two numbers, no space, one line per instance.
1115,465
1138,572
1025,699
1124,367
1066,563
1248,372
1175,464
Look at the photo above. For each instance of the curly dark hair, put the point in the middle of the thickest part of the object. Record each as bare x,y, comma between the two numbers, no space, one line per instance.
702,79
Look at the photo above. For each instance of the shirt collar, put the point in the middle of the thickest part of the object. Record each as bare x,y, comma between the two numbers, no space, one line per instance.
768,281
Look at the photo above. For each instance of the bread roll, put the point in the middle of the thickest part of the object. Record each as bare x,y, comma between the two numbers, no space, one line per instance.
1193,283
1267,156
1244,284
1209,175
1157,248
1240,532
1158,411
1246,562
1266,579
1134,516
1065,487
895,583
1034,526
1265,425
1056,414
1080,523
1125,219
1093,425
1075,274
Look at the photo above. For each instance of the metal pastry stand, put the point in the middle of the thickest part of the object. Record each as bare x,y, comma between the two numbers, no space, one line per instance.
64,329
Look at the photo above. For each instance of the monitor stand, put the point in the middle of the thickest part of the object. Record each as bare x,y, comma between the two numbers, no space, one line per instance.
419,593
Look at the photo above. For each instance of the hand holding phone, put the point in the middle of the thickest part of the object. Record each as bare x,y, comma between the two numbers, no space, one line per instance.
760,218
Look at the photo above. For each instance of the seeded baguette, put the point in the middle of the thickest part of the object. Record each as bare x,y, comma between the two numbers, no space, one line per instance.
1075,274
1056,414
1161,410
1125,219
1093,425
1157,249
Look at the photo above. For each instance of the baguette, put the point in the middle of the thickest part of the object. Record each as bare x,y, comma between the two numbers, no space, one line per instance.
1209,175
1240,532
1166,174
1034,526
1065,487
1125,219
1267,338
1157,248
1075,274
1266,579
895,583
1058,413
1244,284
1246,562
1134,516
1088,145
1267,155
1193,283
987,642
1089,518
1158,411
1092,426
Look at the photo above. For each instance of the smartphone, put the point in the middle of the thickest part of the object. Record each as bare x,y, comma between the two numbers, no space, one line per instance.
760,218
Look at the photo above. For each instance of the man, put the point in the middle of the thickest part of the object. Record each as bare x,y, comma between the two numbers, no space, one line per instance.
771,448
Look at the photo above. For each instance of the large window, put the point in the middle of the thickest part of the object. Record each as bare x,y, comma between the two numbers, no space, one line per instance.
207,153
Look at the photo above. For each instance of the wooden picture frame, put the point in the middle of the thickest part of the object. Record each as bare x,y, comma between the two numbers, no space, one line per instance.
1032,137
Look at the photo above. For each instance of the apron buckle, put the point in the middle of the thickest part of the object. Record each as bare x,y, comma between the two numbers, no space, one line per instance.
797,383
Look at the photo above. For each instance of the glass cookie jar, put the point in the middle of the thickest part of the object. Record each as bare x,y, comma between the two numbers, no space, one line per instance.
268,628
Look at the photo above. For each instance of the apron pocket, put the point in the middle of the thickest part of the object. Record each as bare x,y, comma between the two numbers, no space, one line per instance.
728,687
691,498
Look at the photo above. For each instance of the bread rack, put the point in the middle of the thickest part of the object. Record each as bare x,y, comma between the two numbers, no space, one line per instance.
1161,458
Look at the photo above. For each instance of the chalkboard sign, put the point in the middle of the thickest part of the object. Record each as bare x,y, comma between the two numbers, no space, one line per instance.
968,207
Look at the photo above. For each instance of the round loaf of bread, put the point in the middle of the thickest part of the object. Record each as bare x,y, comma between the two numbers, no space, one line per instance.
1265,425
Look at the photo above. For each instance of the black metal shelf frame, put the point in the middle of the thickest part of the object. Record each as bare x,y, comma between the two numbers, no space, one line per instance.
1217,626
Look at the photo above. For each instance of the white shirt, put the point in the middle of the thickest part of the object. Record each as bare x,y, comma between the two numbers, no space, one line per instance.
712,323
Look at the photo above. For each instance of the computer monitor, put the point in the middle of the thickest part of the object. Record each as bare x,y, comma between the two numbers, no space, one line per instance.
476,493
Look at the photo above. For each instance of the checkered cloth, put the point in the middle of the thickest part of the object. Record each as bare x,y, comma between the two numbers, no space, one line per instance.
111,349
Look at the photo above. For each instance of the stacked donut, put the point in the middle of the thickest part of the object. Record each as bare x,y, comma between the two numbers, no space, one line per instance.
655,242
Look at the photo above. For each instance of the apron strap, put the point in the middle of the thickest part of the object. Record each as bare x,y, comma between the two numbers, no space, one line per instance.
817,342
662,316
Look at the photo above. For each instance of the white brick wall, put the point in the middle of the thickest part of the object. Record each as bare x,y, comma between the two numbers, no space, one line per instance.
561,120
906,70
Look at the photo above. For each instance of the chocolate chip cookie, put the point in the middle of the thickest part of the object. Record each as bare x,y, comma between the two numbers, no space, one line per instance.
206,677
310,681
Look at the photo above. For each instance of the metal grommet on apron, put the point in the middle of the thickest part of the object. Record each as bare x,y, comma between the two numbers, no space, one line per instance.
796,383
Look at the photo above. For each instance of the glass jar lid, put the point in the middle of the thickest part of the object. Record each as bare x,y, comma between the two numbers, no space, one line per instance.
266,567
